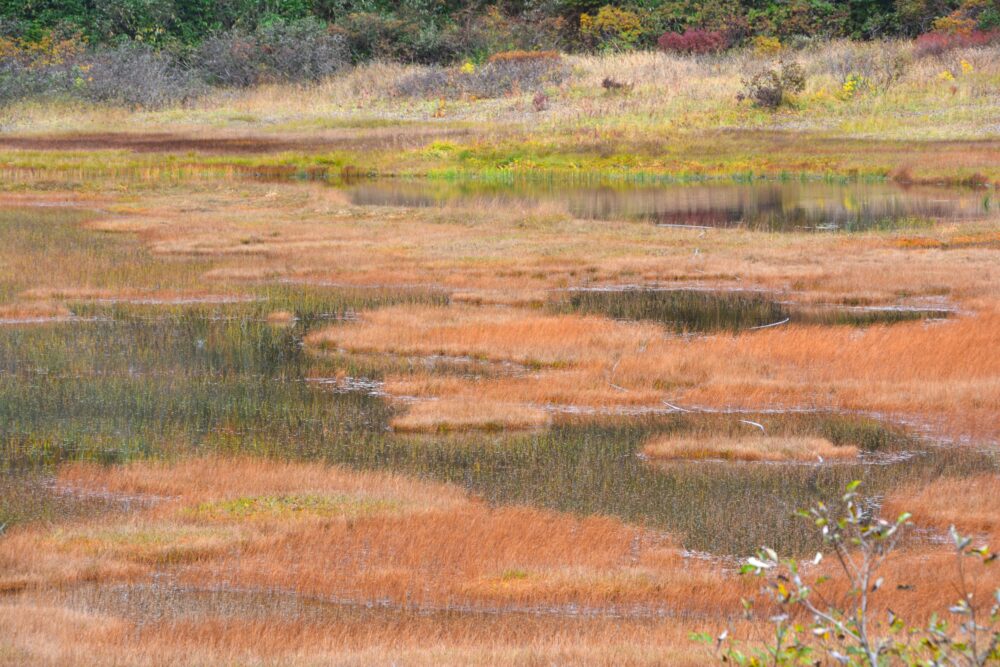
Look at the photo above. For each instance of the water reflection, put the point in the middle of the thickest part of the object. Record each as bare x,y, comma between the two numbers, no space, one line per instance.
775,206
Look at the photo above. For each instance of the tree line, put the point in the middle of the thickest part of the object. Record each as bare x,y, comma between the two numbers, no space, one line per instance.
442,31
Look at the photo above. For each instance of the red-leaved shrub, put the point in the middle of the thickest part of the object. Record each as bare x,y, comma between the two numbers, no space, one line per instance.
938,42
694,40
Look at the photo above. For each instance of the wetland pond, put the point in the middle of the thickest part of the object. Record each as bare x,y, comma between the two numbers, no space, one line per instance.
145,381
760,205
119,381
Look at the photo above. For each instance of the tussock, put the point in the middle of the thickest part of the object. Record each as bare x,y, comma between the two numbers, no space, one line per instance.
759,448
970,504
439,416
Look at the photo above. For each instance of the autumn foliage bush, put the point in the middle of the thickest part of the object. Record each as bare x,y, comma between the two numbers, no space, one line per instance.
769,88
694,41
939,42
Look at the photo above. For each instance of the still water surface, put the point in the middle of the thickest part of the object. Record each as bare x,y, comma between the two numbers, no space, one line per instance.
764,205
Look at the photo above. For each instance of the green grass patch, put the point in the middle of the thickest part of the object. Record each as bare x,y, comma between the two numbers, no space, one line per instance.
292,507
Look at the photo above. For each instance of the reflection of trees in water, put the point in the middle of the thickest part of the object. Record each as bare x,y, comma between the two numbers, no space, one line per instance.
774,206
715,205
713,218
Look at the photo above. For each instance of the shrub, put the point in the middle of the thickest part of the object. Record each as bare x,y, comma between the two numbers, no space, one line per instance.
18,81
970,15
430,82
129,74
766,46
694,41
611,28
136,76
302,50
229,59
613,86
515,72
404,37
493,31
954,24
938,43
814,18
989,19
850,630
503,74
870,66
281,51
769,88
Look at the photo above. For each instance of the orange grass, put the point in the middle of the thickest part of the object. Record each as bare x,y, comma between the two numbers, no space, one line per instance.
971,504
948,372
54,629
427,546
499,334
510,255
458,415
416,544
34,310
413,542
281,317
746,449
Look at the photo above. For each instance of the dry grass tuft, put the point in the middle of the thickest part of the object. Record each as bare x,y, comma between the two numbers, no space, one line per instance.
445,415
281,317
749,448
498,334
34,311
105,630
355,535
216,479
968,503
946,373
219,529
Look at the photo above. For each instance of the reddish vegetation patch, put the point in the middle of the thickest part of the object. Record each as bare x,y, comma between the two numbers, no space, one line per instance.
694,41
36,311
151,143
165,142
944,372
939,42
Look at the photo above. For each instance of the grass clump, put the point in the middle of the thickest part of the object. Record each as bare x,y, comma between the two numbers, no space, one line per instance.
804,449
442,416
869,435
290,506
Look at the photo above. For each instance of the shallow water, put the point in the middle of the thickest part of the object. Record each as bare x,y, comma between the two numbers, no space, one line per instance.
763,205
702,310
142,381
123,380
